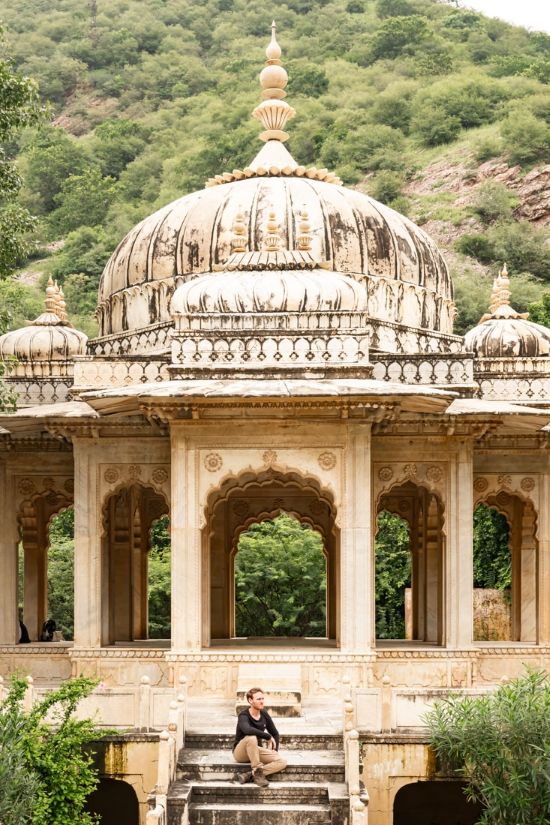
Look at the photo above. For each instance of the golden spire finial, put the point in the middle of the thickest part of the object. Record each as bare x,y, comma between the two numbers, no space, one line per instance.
273,112
304,231
238,241
272,240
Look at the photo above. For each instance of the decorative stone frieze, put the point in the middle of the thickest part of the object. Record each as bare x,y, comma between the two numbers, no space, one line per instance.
492,484
432,475
115,476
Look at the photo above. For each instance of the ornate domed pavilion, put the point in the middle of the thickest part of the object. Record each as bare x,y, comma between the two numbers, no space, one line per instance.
277,343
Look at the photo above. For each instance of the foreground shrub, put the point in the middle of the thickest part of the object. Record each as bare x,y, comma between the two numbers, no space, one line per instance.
58,771
500,745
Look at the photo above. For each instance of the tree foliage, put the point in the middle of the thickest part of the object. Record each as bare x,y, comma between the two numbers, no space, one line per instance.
392,575
500,745
18,108
280,580
58,770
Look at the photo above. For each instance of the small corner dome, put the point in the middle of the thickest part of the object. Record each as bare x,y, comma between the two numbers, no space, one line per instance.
505,333
50,337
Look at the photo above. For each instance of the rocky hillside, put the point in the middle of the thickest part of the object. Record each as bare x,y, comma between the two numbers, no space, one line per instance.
434,109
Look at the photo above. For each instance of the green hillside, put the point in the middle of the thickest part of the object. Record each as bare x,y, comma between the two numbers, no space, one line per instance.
436,110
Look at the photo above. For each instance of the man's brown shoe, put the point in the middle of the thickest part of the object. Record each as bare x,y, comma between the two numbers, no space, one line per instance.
244,776
258,777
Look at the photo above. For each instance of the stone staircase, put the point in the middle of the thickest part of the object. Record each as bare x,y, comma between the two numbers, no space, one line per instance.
311,791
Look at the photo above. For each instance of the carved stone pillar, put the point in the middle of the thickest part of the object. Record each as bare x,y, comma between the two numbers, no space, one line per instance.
9,624
188,585
543,635
357,556
460,538
87,546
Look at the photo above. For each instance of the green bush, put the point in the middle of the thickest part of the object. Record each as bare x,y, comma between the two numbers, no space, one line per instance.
526,138
374,147
59,769
392,575
398,35
476,246
539,311
435,126
499,744
386,186
493,201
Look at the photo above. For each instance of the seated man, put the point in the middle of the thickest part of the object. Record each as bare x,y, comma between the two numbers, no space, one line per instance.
257,741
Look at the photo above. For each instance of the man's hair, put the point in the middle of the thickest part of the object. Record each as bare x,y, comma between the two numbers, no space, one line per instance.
250,693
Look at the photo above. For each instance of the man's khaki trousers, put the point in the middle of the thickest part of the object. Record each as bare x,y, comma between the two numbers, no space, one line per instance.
248,750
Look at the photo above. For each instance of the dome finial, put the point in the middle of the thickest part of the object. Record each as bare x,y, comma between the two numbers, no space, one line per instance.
500,294
273,112
272,239
238,241
304,231
51,296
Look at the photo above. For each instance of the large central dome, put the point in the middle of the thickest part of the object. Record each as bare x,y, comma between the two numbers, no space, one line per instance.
401,270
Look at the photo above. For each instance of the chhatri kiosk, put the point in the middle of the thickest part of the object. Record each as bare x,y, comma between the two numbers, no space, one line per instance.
276,342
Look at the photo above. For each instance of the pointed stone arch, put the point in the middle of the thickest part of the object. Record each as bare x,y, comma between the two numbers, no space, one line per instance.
128,512
423,510
33,519
248,498
521,515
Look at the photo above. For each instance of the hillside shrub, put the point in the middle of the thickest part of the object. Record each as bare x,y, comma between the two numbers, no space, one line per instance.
493,201
499,744
539,311
526,138
386,186
398,35
394,8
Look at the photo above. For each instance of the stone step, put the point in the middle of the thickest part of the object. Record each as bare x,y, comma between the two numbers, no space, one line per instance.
302,793
239,814
303,765
201,740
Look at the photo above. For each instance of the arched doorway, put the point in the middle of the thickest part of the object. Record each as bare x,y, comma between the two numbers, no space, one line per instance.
521,583
115,802
280,575
253,498
434,803
128,515
34,519
422,511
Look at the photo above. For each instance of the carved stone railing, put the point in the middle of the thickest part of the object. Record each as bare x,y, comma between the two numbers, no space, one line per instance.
170,743
146,340
451,370
308,341
358,797
102,372
514,379
34,391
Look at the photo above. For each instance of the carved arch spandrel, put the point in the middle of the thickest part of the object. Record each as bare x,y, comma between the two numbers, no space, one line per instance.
429,475
525,487
115,477
267,476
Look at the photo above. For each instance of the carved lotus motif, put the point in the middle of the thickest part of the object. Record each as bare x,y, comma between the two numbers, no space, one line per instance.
434,474
111,475
327,460
26,487
269,457
213,462
481,484
159,475
385,474
527,484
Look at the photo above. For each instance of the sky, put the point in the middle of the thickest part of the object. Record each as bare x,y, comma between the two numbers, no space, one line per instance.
533,14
